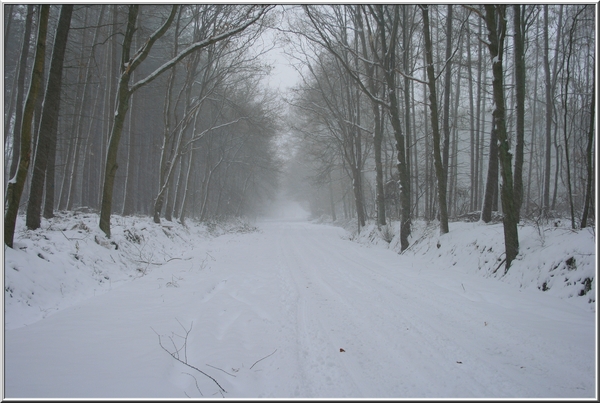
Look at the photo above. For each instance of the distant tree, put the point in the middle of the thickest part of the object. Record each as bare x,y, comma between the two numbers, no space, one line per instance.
128,64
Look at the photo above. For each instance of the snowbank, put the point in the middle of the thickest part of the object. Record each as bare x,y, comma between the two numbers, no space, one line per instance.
553,258
69,259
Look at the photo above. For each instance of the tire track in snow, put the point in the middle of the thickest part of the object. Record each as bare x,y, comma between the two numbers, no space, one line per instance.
447,343
317,357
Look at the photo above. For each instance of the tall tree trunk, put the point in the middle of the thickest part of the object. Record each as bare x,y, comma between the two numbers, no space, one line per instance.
550,81
453,165
388,48
16,147
17,183
496,23
480,126
132,163
534,125
565,118
589,150
49,120
546,196
378,127
130,181
123,95
410,137
124,92
472,166
491,183
439,167
519,42
447,89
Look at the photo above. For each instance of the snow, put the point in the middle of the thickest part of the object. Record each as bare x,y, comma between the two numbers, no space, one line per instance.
287,308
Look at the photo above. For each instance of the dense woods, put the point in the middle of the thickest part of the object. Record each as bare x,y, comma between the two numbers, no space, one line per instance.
436,112
457,112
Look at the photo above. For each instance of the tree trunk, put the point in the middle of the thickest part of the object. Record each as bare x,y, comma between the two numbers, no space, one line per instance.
49,120
132,163
496,24
128,66
17,183
550,83
439,168
534,126
130,181
565,116
16,147
473,167
479,127
447,89
389,50
589,151
331,200
123,95
491,183
519,42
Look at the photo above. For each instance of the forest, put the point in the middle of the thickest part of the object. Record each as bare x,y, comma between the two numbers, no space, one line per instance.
402,112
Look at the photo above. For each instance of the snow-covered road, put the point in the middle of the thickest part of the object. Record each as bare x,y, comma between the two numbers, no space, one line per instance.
296,310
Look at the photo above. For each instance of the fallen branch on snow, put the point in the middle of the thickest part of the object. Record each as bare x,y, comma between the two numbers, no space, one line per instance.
263,358
175,353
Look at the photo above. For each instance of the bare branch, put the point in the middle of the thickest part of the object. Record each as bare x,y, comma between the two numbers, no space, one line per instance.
263,358
175,355
200,45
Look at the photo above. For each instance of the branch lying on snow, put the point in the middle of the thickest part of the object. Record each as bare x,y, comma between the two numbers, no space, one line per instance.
208,365
165,262
195,380
175,353
503,260
263,358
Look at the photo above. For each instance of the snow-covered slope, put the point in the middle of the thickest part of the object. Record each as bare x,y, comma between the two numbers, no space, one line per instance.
553,258
69,259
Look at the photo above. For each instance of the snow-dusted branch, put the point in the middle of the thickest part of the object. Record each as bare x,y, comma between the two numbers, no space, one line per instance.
200,45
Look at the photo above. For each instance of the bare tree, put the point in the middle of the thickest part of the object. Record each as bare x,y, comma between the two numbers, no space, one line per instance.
440,171
495,18
128,64
20,88
49,119
17,183
519,55
589,160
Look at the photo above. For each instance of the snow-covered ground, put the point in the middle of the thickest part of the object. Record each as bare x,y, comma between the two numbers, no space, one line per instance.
288,308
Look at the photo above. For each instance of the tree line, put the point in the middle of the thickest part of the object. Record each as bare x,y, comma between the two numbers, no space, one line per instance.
439,112
446,112
136,109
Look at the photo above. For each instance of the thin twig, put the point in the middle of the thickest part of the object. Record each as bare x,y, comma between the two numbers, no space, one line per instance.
72,239
185,363
220,370
143,261
263,358
495,270
195,380
187,332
